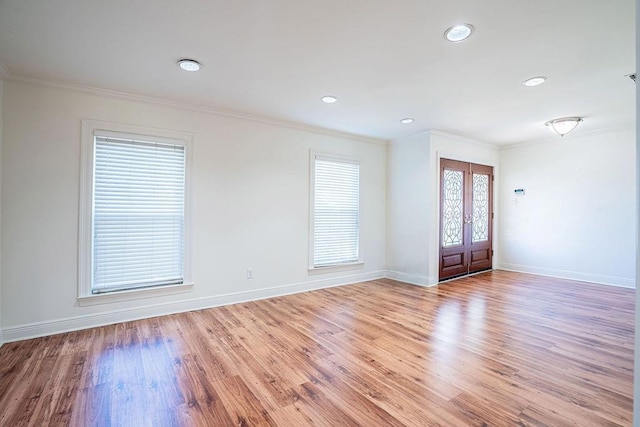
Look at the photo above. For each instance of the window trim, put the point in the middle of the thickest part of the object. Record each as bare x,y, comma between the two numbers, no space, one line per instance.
312,269
90,129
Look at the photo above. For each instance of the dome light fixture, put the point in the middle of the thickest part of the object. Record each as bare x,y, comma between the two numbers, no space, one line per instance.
189,64
328,99
564,125
534,81
458,33
407,121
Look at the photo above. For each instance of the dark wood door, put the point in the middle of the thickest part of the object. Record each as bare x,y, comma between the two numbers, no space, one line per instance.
466,218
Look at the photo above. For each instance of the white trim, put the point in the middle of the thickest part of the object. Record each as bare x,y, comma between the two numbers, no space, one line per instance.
1,150
101,132
412,279
334,268
312,185
133,294
436,132
84,209
556,139
39,329
621,282
106,127
425,133
4,72
194,107
483,161
483,144
90,128
313,155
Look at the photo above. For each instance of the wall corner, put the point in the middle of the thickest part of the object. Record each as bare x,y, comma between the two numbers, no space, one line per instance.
1,137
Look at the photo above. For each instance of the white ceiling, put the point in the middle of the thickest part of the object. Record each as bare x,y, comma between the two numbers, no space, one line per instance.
384,60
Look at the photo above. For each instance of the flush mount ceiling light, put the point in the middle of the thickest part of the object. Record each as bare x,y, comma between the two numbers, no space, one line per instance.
328,99
189,65
406,121
534,81
458,33
564,125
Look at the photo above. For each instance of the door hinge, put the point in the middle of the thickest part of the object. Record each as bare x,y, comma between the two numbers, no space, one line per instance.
493,215
491,252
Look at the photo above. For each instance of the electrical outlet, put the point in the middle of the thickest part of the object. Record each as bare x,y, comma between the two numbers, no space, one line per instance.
249,273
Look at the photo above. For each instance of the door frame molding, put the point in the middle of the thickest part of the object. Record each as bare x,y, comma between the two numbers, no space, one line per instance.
434,213
466,251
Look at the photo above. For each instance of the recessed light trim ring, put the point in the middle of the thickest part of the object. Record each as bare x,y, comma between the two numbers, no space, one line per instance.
535,81
328,99
189,64
458,33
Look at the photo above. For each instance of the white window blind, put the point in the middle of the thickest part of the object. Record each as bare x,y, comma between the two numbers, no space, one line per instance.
336,231
138,214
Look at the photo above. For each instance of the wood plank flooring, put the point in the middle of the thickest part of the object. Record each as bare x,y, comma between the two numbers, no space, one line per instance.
499,349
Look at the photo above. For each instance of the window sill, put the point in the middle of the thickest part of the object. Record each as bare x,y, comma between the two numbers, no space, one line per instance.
133,294
338,267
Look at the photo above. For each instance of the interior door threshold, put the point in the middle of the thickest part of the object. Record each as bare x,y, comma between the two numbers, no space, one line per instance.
464,276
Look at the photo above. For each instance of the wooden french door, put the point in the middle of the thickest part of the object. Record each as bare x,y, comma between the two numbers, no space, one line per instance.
466,217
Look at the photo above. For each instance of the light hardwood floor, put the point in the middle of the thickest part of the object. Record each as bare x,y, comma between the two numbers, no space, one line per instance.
499,349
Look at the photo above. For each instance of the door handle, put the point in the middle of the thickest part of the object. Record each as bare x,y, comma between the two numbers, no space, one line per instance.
468,219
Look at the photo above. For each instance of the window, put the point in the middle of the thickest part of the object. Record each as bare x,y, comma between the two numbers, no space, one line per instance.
134,205
335,222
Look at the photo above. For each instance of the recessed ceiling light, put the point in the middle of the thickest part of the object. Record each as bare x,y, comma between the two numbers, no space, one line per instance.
406,121
189,65
534,81
458,33
329,99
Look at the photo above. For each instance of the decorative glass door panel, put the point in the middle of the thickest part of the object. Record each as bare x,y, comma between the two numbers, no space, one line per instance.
452,209
466,205
480,207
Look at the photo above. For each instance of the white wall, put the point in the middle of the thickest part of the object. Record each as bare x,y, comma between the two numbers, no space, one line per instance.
252,199
636,371
251,207
577,218
1,121
413,194
408,209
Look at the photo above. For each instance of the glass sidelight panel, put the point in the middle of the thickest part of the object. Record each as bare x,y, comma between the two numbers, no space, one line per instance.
452,212
480,210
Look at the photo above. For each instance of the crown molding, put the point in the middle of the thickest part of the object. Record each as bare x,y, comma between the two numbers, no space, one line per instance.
193,107
463,139
413,135
436,132
4,72
568,137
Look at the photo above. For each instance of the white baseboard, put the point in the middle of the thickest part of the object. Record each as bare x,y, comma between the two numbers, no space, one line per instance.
571,275
412,279
39,329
